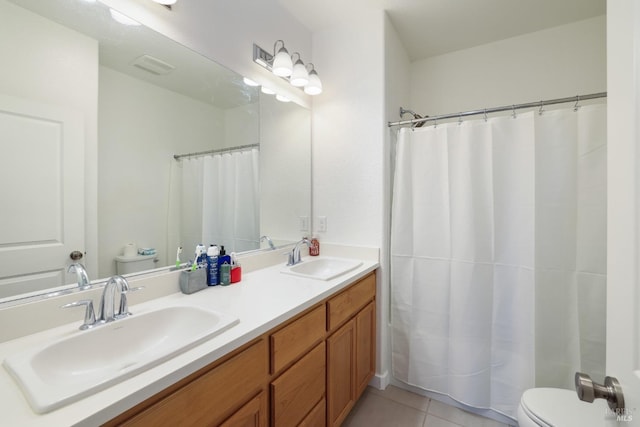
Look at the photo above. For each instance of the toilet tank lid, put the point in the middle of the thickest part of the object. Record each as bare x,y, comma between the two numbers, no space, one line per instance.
135,258
561,407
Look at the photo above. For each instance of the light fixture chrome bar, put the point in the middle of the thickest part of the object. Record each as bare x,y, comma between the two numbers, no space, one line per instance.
485,111
216,151
262,57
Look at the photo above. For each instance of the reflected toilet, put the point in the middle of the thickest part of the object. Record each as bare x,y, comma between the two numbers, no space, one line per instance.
135,263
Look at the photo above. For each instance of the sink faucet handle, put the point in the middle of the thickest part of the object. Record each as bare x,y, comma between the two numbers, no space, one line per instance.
123,311
89,314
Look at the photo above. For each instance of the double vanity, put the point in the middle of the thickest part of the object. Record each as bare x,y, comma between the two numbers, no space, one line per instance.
285,346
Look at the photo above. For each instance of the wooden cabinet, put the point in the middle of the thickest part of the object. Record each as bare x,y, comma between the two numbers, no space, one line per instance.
351,348
252,414
296,338
317,416
296,392
212,396
341,351
347,303
308,371
365,365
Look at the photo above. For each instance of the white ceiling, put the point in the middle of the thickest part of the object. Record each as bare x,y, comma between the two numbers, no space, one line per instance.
433,27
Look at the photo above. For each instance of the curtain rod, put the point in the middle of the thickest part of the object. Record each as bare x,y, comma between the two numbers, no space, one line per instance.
514,107
217,151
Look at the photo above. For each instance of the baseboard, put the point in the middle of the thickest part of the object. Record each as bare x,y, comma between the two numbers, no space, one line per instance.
380,381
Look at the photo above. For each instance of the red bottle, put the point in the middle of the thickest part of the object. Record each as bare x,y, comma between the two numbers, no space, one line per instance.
314,249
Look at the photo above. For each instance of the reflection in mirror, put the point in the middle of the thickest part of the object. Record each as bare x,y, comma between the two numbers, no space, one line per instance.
126,100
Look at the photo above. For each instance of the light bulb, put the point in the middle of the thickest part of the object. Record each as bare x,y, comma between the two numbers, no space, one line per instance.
282,65
314,87
282,98
300,75
267,91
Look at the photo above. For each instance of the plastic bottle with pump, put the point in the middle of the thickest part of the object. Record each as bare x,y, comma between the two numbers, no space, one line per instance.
314,249
212,265
223,259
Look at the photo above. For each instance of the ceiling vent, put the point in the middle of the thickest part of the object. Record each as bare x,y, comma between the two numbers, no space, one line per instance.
153,65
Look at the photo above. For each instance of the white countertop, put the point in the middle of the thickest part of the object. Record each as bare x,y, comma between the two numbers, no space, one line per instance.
262,300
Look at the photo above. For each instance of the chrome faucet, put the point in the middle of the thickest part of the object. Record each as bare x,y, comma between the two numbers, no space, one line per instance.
294,255
107,308
81,273
269,241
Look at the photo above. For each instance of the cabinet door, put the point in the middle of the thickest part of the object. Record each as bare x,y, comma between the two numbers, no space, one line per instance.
365,347
252,414
341,384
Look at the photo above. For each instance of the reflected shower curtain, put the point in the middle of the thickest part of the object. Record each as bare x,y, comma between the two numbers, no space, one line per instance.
498,255
220,200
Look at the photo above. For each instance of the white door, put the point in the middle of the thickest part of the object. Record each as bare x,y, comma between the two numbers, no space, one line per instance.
41,194
623,246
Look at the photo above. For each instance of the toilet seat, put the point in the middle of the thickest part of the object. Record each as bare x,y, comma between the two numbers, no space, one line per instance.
554,407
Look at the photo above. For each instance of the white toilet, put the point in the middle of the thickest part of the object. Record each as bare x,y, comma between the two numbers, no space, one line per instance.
135,263
559,408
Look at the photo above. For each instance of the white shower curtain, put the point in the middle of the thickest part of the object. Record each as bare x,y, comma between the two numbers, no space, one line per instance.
220,200
498,255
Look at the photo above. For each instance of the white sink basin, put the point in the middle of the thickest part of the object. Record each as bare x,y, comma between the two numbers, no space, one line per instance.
64,371
323,268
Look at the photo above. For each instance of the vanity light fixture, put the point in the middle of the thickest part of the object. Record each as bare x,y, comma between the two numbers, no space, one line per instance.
314,86
282,65
300,75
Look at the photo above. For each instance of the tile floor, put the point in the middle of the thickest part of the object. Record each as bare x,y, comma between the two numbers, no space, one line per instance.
395,407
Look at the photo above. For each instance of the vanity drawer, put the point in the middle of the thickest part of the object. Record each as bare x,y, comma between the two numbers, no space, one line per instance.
346,304
292,341
317,417
213,396
295,393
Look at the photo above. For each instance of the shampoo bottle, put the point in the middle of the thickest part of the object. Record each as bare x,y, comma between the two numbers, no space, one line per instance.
225,274
222,258
212,265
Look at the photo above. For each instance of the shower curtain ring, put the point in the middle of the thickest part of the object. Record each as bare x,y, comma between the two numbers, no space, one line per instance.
576,106
540,111
459,119
435,122
485,115
513,111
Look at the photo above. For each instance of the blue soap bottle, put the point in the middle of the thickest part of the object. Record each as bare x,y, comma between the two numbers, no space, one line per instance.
212,265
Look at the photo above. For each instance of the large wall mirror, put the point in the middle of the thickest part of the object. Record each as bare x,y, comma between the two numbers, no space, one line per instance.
118,139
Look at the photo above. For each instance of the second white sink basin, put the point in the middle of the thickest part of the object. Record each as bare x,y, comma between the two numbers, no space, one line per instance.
64,371
323,268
